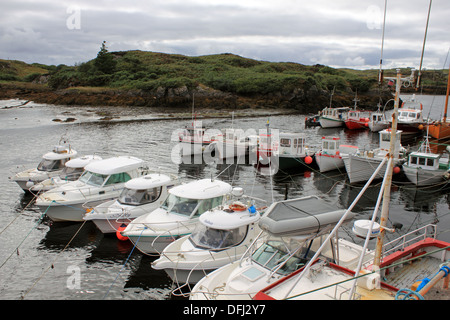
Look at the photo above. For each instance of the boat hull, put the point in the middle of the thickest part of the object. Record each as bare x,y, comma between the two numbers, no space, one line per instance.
440,130
360,168
356,124
329,162
326,122
110,226
421,177
151,244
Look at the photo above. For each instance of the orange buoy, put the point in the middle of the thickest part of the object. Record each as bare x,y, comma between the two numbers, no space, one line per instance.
308,160
118,233
397,170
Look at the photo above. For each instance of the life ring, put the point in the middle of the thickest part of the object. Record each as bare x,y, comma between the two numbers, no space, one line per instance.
237,207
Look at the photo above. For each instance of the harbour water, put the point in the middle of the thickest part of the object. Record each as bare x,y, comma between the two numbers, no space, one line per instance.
75,261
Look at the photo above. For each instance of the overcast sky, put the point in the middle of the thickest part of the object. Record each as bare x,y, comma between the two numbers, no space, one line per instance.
337,33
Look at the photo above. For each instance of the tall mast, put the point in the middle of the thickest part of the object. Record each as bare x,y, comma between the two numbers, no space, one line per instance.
423,47
444,119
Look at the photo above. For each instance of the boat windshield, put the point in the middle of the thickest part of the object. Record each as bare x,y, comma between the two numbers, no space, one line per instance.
272,253
92,178
187,207
51,165
215,239
138,197
71,174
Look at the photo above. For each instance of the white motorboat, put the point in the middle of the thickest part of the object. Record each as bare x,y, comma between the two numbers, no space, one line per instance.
51,165
102,180
329,157
177,216
294,230
425,168
333,117
361,165
232,144
73,169
223,236
139,196
378,121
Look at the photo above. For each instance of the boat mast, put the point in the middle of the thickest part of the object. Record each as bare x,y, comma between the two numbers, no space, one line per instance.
423,47
380,73
444,119
389,169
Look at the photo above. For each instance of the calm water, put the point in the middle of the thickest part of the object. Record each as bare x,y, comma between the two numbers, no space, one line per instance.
37,260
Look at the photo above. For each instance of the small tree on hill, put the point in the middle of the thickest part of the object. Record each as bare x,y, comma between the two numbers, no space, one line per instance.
105,61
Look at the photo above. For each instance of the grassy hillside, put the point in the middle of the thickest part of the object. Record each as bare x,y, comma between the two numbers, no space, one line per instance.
223,76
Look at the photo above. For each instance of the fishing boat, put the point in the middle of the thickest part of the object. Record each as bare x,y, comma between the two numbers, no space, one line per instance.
51,165
193,139
361,165
425,168
102,180
177,216
231,144
138,197
357,119
73,169
293,229
378,121
440,129
223,236
284,150
333,117
329,157
410,117
408,271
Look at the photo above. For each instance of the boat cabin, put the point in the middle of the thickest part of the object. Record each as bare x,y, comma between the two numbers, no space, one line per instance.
425,161
385,141
337,113
56,159
111,171
193,199
144,190
330,145
292,143
410,115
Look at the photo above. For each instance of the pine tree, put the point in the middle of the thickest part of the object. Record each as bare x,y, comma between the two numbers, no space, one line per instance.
105,61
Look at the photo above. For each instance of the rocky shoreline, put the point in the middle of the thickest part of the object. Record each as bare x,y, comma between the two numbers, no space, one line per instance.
180,99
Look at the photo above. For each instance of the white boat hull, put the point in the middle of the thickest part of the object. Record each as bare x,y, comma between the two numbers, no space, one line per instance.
330,122
151,244
110,226
328,162
378,126
421,177
360,168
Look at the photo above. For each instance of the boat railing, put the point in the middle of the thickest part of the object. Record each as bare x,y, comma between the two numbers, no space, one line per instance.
399,244
174,232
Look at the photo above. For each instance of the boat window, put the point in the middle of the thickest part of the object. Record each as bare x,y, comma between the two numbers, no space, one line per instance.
285,142
422,161
214,239
208,204
92,178
118,178
180,205
413,160
71,174
325,144
138,197
430,162
51,165
273,253
386,137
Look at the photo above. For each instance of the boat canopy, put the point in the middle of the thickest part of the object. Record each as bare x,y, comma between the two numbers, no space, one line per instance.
148,181
202,189
59,153
307,215
82,161
115,165
221,218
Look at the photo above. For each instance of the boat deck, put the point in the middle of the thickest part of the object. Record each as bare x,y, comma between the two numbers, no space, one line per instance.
414,271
